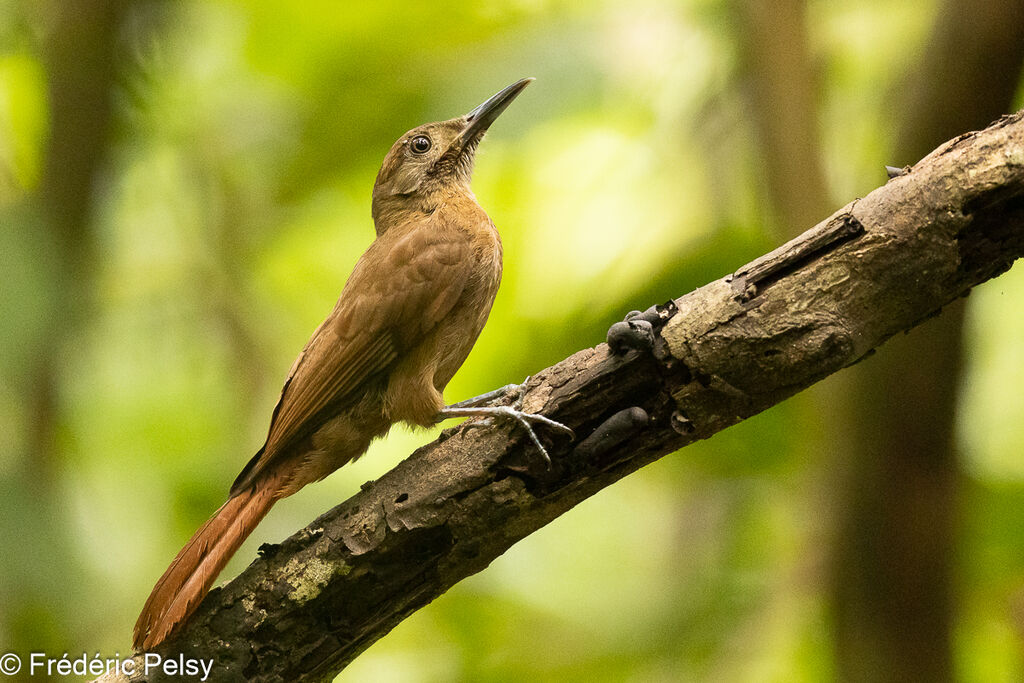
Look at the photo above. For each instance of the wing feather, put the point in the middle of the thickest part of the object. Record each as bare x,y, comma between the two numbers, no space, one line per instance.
398,292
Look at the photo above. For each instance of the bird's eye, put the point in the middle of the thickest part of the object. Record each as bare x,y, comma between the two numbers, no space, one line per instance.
419,144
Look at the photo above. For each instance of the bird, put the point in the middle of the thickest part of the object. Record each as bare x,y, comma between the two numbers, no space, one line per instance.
404,323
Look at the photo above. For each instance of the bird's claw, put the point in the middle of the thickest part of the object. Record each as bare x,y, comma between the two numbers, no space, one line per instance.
524,419
509,412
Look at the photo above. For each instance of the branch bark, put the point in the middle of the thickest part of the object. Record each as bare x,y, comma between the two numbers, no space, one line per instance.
877,267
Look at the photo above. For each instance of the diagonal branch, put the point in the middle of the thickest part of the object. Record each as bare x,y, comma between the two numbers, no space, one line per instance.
681,372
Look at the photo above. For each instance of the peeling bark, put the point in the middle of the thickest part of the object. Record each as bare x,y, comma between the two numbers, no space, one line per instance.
681,372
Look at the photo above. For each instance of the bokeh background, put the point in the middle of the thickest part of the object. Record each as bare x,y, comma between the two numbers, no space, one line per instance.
184,187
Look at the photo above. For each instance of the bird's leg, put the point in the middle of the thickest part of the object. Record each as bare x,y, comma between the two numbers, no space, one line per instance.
479,407
489,398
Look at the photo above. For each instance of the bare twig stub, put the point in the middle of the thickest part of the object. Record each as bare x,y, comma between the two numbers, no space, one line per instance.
715,356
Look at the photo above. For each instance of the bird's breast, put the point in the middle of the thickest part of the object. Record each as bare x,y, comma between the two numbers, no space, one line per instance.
459,331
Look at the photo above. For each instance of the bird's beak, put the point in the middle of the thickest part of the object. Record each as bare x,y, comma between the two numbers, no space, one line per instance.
478,120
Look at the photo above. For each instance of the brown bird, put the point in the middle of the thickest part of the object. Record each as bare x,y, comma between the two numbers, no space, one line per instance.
407,318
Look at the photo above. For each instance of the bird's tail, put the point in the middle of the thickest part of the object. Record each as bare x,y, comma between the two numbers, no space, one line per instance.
182,587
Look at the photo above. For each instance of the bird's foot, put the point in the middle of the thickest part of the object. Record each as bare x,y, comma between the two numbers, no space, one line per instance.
474,408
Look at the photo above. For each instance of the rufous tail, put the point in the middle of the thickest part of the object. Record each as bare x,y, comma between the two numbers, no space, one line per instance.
182,587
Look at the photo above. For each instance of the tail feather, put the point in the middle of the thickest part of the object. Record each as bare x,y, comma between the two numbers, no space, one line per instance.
182,587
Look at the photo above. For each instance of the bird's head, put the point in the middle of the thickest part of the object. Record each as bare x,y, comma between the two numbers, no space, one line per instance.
431,160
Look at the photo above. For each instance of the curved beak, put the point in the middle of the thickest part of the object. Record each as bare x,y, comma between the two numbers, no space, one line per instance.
478,120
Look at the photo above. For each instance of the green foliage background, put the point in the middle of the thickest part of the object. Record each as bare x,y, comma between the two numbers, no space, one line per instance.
234,199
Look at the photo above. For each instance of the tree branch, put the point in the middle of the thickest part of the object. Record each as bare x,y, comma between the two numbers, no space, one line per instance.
735,347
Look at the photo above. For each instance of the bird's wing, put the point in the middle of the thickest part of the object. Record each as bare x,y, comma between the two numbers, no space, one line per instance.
400,289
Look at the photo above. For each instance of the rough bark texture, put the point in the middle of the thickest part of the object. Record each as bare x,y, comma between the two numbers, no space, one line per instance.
733,348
